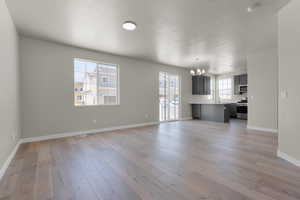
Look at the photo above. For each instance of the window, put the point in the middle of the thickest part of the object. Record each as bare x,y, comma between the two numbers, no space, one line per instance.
225,88
95,83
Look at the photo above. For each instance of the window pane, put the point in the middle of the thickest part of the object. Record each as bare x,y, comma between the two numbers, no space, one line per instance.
85,82
225,88
94,83
108,79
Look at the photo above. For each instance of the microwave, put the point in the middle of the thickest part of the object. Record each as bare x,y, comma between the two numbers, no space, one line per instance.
243,89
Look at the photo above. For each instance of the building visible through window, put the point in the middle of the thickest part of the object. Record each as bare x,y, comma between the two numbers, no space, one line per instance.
95,83
225,88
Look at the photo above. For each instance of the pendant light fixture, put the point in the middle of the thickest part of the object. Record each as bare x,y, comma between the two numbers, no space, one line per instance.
197,71
192,72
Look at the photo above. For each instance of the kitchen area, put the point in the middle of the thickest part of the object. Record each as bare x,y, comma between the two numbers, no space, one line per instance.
219,98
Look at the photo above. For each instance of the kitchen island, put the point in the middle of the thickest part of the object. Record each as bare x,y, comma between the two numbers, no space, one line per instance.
217,112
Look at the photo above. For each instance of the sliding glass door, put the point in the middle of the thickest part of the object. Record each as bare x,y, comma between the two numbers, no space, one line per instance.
169,96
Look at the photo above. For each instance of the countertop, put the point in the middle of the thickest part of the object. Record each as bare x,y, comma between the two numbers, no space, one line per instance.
208,103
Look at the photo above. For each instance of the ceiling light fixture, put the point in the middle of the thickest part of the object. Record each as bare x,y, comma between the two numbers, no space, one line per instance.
129,26
197,72
254,6
193,72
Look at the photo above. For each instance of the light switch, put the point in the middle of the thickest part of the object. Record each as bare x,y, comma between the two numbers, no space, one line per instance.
284,94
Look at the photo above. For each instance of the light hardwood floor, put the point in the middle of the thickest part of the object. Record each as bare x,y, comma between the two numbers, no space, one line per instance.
187,160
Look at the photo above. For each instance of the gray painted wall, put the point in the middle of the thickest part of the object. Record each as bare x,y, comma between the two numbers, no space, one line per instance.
9,104
289,70
263,87
47,90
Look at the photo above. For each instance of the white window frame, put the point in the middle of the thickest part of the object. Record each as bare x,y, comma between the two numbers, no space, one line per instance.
180,97
98,63
231,88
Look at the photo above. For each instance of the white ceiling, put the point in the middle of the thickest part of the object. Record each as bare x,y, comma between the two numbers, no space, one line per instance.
174,32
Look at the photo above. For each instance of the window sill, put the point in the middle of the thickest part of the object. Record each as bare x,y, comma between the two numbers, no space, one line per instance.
100,105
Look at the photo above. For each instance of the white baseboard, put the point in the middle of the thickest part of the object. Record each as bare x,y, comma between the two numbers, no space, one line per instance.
262,129
9,159
93,131
288,158
186,118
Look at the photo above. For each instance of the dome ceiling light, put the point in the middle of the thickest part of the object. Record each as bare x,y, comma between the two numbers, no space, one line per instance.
129,25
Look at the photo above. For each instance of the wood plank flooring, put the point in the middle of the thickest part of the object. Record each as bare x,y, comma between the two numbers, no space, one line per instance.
187,160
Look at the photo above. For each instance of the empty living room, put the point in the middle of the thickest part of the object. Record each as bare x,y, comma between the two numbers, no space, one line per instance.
149,100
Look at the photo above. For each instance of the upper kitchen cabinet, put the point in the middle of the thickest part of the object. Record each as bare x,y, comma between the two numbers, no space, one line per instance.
207,85
201,85
239,80
236,85
195,85
244,79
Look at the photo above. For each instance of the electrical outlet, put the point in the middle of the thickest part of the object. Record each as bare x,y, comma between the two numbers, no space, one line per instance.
13,136
94,121
147,116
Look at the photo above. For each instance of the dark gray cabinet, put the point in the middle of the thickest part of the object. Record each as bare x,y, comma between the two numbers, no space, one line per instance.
207,85
196,111
232,109
236,85
195,84
239,80
201,85
244,79
211,112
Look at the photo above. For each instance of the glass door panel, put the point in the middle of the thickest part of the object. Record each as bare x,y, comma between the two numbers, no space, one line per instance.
169,96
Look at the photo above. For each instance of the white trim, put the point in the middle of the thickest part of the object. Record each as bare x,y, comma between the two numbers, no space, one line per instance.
175,120
168,121
262,129
186,118
9,159
93,131
288,158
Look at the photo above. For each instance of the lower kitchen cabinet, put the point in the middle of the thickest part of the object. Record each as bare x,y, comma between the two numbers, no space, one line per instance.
196,111
211,112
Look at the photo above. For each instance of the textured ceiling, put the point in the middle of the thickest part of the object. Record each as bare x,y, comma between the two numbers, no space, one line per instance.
219,33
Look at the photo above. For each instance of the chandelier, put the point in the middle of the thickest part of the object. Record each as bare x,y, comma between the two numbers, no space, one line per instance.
197,72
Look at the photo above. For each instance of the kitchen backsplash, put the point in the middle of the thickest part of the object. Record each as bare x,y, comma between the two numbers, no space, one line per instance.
213,99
